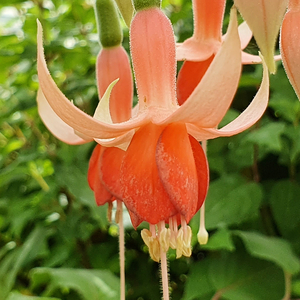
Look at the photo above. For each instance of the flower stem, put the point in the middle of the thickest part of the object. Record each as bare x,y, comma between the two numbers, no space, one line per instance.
121,249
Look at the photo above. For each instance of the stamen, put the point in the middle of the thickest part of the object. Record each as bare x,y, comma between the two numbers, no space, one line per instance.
119,211
173,232
202,233
179,242
164,236
109,211
152,243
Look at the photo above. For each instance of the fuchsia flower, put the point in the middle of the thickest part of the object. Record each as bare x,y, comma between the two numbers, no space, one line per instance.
207,37
290,44
163,175
199,51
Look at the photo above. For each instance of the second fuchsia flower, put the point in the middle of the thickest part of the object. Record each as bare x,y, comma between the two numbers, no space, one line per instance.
164,174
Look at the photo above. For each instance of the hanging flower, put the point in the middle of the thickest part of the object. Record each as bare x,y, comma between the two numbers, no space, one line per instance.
290,44
164,173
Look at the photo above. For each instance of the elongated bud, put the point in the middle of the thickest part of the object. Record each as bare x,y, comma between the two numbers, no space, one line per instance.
144,4
126,9
109,28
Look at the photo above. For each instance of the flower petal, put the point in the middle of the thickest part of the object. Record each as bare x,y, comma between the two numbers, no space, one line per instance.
113,63
264,17
212,97
245,34
189,77
72,115
55,124
251,114
110,165
153,56
290,44
102,195
143,191
202,170
177,170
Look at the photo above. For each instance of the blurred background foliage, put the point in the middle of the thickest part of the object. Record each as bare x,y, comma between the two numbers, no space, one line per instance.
55,243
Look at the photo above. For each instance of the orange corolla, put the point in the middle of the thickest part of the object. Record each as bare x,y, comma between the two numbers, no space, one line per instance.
290,44
163,174
264,18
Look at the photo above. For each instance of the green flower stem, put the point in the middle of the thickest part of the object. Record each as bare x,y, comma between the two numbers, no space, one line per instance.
144,4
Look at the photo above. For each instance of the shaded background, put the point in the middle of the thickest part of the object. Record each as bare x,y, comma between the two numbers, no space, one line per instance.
55,243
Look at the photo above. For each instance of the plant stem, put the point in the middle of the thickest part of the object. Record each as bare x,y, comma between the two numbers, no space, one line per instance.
288,281
121,249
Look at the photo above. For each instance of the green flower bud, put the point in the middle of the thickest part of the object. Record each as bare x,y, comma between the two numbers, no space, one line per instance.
108,22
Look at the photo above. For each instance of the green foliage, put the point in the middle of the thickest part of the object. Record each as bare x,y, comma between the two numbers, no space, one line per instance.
55,243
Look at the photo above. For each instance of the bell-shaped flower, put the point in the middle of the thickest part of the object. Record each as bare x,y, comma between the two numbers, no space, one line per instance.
264,18
164,173
207,36
199,51
290,44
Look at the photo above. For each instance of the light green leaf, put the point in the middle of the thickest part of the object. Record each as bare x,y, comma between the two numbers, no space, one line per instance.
270,248
90,284
18,296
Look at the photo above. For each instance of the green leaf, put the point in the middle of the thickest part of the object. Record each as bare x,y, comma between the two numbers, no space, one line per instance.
285,205
268,136
18,296
90,284
234,276
15,260
230,201
270,248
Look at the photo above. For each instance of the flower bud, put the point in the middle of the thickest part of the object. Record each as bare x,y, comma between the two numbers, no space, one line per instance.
109,28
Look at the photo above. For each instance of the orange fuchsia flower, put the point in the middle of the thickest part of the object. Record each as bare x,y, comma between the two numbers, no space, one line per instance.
290,44
164,172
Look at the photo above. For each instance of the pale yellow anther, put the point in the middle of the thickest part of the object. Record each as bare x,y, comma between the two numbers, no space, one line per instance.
187,237
154,250
147,237
173,240
179,239
164,239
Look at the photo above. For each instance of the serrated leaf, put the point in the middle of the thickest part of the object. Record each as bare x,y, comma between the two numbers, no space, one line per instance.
273,249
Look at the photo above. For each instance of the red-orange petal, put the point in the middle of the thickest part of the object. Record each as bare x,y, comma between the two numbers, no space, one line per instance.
102,195
202,170
143,191
177,169
189,76
110,166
